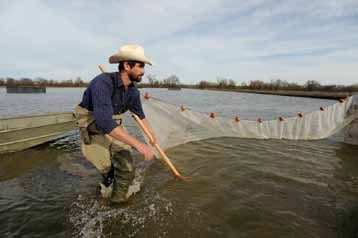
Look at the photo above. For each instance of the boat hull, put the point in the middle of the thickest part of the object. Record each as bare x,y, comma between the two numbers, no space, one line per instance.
20,133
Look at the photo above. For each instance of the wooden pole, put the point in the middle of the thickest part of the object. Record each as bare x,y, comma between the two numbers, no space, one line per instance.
164,157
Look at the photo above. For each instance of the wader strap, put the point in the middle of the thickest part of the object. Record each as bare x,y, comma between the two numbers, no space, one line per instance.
87,123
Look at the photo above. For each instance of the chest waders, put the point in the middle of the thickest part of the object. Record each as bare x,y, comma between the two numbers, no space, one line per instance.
111,157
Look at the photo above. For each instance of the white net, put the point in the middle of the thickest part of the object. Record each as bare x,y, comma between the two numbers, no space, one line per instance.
175,125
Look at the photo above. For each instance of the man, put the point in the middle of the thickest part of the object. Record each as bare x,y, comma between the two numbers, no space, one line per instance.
104,141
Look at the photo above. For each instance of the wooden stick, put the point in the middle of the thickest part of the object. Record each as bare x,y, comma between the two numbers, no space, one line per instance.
164,157
102,68
161,152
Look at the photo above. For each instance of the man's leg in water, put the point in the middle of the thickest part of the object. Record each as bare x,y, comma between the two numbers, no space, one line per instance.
98,153
124,171
96,148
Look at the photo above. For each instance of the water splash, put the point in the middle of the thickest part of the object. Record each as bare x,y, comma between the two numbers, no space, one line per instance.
93,218
98,218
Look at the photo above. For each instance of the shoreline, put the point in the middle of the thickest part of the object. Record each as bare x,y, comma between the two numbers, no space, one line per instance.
307,94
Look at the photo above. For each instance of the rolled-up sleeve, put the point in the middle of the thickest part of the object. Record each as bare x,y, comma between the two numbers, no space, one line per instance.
136,106
102,107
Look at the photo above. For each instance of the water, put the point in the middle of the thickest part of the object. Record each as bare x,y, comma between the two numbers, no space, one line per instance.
239,187
55,100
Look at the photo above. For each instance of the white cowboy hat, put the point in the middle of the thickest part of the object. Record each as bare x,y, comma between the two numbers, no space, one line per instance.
128,53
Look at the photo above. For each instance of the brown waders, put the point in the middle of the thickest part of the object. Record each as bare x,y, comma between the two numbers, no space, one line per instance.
111,157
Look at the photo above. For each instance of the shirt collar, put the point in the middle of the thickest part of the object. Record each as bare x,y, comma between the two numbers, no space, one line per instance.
118,81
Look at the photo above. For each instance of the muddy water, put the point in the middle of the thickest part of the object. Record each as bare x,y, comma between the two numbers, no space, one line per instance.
239,187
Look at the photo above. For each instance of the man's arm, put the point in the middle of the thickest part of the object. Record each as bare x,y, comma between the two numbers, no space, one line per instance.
103,111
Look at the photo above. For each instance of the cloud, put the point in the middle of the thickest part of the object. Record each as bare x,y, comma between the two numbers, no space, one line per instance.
242,40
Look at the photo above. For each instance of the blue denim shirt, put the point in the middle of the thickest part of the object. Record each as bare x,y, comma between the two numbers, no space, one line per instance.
106,96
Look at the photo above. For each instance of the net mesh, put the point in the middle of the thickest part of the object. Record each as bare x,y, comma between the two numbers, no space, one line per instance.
176,125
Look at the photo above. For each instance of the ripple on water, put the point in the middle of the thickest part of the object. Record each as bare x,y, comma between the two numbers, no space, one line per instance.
252,188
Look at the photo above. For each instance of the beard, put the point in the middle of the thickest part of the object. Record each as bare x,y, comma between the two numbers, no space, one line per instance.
136,78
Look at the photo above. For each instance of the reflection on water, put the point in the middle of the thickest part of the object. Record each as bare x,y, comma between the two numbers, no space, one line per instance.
239,188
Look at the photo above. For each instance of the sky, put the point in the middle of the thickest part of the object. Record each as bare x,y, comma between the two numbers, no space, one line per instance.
195,40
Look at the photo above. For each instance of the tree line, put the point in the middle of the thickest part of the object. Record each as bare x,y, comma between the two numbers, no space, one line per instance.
170,82
78,82
173,81
153,82
229,84
274,85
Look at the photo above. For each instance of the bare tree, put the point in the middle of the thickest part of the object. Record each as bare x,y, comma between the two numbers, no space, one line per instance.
171,81
312,85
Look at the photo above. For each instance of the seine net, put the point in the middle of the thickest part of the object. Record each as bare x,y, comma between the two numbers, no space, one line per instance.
176,125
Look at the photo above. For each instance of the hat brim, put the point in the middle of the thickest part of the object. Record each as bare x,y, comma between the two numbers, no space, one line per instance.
116,58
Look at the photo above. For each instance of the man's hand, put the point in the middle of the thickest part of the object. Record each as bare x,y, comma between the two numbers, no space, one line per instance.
146,151
122,135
